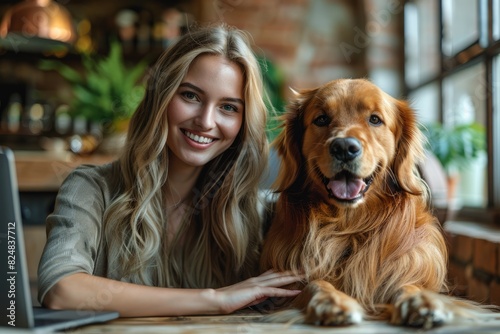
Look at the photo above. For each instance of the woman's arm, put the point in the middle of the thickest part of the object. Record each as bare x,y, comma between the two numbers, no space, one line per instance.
83,291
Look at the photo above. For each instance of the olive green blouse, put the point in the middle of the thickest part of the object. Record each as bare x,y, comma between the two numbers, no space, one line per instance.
74,229
75,240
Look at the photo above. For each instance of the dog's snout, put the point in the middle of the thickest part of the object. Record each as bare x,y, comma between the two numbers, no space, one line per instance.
345,149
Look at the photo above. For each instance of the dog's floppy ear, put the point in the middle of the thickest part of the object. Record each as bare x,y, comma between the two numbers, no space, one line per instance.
289,142
409,150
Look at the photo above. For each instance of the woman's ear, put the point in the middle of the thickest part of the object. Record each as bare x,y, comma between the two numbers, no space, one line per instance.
289,142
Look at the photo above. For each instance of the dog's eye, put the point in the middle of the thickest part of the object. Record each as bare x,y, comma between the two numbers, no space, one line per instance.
375,120
322,120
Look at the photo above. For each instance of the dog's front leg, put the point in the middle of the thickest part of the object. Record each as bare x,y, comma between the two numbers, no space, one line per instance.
324,305
416,307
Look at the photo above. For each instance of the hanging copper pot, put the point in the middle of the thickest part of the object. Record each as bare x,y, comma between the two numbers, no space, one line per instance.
38,19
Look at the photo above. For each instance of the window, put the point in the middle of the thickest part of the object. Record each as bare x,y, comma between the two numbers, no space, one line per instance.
422,40
452,76
460,24
496,19
495,120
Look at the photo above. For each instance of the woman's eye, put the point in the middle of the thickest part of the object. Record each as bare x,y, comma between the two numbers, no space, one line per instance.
189,95
375,120
321,120
229,107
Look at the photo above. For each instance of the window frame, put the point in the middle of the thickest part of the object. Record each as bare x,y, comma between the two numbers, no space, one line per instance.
486,50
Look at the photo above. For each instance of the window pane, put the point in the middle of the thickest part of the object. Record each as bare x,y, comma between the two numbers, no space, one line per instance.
496,133
425,101
464,103
421,40
496,19
460,24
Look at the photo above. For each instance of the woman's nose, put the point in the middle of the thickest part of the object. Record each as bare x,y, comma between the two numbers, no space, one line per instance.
206,117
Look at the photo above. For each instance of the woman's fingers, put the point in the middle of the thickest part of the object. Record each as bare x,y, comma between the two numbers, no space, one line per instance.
256,290
281,281
277,292
278,278
266,285
272,273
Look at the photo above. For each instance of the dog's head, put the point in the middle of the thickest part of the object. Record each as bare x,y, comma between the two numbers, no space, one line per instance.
346,140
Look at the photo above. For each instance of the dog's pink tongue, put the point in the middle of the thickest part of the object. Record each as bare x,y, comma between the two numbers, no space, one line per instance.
346,188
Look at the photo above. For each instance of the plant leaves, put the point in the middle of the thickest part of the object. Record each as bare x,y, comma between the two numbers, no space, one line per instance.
455,147
108,91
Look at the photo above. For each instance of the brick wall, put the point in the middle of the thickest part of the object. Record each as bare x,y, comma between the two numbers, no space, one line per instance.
474,261
314,41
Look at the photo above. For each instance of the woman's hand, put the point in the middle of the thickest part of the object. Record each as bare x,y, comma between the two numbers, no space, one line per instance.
85,291
255,290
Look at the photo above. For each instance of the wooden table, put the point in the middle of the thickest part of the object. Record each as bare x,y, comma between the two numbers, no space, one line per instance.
249,322
45,171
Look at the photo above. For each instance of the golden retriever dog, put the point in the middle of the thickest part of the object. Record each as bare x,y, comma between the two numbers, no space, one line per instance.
353,212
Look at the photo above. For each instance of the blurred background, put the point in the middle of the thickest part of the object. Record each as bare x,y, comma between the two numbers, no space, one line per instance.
72,73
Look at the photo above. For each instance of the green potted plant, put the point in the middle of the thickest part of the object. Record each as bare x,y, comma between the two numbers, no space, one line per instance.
274,80
107,91
456,147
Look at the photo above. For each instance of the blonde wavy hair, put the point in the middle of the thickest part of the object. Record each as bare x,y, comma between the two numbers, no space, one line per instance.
221,232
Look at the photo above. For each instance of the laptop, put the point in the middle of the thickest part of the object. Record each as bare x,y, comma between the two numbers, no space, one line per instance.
16,308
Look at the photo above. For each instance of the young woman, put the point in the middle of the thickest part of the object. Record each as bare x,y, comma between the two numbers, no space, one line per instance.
173,226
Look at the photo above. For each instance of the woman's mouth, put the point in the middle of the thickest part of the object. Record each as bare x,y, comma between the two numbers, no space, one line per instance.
197,138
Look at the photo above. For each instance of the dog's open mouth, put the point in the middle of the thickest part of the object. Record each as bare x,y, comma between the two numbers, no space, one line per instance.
347,187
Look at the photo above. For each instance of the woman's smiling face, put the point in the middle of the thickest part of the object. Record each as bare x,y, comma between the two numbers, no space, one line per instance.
206,113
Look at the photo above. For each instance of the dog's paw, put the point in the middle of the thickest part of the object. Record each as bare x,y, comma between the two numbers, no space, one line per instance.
423,309
333,309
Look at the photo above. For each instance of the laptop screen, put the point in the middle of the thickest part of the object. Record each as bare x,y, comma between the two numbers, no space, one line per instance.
15,296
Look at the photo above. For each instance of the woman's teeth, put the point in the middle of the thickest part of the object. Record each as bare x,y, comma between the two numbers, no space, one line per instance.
198,139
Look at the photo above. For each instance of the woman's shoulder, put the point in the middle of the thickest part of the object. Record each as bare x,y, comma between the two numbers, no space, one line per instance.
95,170
101,176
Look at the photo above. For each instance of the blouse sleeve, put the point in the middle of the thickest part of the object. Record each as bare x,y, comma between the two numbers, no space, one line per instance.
74,228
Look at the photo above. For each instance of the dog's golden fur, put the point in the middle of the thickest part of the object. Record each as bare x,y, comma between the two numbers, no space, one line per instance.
368,244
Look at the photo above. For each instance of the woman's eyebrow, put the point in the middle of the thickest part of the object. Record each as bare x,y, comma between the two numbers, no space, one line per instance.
190,85
201,91
234,99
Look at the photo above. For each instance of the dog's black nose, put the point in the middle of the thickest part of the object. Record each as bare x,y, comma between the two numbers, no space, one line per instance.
345,149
